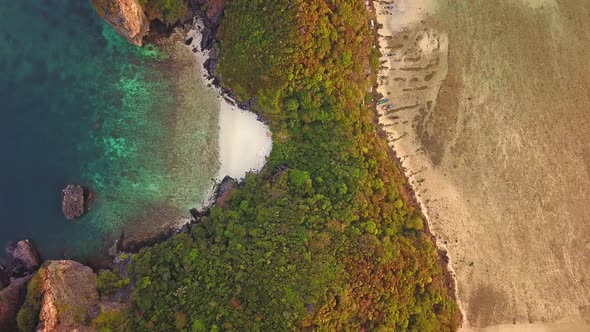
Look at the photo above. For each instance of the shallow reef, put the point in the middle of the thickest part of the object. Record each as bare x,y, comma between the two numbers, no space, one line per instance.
136,126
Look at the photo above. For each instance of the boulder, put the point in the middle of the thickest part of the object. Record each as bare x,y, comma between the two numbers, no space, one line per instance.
225,191
66,284
214,10
207,38
72,201
25,259
227,184
4,277
126,16
11,299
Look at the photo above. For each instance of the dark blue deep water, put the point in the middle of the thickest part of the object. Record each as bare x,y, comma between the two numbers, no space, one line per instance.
78,104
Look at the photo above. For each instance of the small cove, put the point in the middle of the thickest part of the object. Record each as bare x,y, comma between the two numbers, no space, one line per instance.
80,105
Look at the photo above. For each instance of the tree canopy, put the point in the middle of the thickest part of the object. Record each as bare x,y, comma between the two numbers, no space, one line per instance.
324,237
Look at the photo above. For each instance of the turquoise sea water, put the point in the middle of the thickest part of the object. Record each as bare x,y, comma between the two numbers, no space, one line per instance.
81,105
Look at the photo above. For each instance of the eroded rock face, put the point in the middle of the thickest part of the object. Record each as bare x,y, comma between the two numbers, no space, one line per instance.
214,10
225,191
11,299
25,257
4,277
73,201
67,284
126,16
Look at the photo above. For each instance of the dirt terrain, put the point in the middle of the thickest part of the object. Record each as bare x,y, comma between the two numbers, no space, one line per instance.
491,118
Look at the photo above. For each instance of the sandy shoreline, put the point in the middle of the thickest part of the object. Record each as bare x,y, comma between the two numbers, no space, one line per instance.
244,142
400,18
497,169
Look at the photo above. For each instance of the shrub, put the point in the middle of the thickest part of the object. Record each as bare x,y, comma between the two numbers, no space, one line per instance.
28,315
109,283
113,321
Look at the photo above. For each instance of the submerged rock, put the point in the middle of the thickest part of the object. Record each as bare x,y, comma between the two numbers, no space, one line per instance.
126,16
11,299
25,257
73,201
66,284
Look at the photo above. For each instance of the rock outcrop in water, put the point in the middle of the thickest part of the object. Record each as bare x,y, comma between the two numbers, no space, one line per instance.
73,201
25,259
214,9
126,16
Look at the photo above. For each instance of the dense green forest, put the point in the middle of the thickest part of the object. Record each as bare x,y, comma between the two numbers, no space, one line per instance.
323,238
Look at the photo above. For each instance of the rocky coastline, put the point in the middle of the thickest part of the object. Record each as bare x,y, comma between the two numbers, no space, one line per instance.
127,244
74,200
58,279
210,12
204,19
15,274
61,277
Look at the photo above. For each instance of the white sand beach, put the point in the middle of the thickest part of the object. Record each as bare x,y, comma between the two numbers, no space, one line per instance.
244,142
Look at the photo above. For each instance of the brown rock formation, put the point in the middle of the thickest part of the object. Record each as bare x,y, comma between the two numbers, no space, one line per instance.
11,299
126,16
225,191
73,201
69,297
4,277
25,258
214,9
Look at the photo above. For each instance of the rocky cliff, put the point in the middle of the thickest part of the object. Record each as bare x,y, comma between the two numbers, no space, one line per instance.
24,258
14,277
65,295
126,16
11,299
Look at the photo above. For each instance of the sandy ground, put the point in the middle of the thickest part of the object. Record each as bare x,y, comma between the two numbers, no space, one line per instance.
244,142
491,118
244,145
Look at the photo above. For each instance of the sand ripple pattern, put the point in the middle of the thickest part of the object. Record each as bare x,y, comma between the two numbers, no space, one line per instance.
491,120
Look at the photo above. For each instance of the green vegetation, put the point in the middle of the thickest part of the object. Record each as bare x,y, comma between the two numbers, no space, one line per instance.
323,238
28,315
109,283
167,11
112,321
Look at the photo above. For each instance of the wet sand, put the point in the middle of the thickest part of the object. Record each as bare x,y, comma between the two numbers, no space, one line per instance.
491,119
